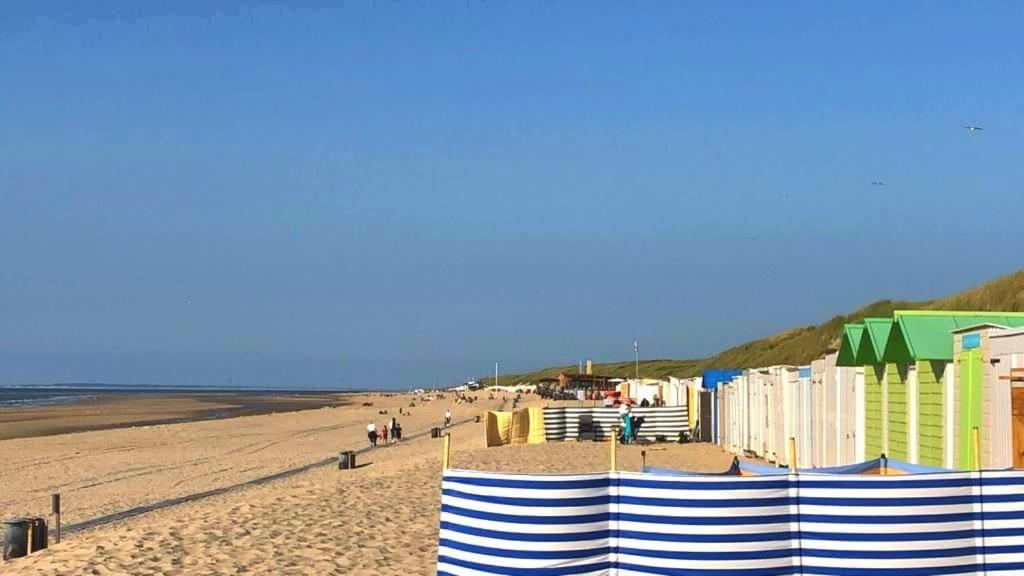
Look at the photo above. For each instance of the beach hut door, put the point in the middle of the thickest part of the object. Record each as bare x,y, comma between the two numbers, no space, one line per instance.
970,404
1017,400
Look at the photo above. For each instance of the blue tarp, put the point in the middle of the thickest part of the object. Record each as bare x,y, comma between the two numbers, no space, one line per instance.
712,378
733,470
744,468
869,467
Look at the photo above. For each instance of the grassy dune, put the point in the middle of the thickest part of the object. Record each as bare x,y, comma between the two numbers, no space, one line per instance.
802,344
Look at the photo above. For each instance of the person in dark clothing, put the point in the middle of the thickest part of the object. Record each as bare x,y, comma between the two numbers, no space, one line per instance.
396,430
371,433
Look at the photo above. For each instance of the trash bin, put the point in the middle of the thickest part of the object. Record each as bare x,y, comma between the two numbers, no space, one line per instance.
435,432
16,536
346,460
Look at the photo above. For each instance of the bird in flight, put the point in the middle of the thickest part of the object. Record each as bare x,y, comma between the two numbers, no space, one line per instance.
973,128
878,183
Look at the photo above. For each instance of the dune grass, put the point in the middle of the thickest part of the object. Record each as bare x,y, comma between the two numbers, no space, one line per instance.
802,344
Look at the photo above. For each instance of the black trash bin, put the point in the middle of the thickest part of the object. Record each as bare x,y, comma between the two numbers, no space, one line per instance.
435,432
346,460
16,536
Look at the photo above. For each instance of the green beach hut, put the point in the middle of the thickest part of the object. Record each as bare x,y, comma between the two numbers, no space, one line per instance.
876,386
923,381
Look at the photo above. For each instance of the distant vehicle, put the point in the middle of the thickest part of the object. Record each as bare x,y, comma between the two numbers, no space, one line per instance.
419,391
474,386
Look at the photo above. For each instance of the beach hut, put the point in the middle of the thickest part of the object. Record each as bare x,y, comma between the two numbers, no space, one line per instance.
923,342
728,428
693,387
710,381
803,425
788,399
740,414
835,392
985,395
825,393
776,429
1006,390
753,401
675,392
869,354
849,383
848,360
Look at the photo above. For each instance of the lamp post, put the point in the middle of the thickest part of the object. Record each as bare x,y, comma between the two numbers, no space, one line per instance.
636,353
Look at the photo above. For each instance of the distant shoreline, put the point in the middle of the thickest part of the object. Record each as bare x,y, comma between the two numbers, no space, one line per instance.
107,409
49,394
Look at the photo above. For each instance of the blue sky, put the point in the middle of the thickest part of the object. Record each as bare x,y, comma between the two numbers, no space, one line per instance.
378,194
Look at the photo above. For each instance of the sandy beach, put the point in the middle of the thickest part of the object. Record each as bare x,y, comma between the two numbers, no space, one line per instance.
379,519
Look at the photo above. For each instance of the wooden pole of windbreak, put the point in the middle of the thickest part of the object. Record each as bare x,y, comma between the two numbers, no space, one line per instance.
976,442
614,448
56,517
446,455
791,454
31,529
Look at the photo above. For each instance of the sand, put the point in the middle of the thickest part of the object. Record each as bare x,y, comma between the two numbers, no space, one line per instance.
379,519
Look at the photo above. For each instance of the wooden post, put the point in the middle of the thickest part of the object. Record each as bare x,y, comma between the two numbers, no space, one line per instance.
976,442
31,528
791,454
614,447
643,460
56,518
446,456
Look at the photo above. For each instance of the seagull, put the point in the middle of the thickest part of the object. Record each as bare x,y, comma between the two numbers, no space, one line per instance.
878,183
973,128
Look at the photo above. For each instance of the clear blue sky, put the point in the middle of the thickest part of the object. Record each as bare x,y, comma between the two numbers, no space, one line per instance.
384,193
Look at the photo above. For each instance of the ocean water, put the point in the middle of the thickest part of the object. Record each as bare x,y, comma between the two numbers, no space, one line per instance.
15,396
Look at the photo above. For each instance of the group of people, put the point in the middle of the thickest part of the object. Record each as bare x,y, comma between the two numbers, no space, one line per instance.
381,433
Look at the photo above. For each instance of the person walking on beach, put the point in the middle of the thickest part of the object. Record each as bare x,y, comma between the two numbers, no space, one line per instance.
371,433
447,418
396,430
627,423
384,433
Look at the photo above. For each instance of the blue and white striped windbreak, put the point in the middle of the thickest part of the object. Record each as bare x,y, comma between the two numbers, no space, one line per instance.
624,523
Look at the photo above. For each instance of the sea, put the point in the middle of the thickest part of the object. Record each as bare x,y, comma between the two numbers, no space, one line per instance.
49,394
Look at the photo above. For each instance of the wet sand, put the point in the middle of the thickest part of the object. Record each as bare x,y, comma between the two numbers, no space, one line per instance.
108,411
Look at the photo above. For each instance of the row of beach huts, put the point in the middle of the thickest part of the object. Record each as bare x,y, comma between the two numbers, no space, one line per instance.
912,387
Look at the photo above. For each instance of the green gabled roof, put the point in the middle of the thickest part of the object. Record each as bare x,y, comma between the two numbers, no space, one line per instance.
928,334
873,340
849,345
